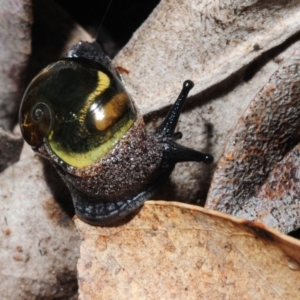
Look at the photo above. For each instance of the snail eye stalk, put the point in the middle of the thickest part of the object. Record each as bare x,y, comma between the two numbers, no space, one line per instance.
166,132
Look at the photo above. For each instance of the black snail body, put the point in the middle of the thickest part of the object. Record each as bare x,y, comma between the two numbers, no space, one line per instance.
77,113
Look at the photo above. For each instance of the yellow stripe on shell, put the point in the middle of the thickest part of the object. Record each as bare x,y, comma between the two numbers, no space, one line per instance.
83,160
112,111
102,84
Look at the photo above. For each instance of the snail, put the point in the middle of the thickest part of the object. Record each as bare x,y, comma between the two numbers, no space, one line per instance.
77,113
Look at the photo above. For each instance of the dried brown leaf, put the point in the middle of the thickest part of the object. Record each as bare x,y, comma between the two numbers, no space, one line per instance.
205,41
39,246
263,135
15,48
277,200
178,251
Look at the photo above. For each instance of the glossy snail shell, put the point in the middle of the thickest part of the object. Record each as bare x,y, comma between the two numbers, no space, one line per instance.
78,114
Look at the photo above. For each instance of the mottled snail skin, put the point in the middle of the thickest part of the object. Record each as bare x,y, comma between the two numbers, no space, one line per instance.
77,114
